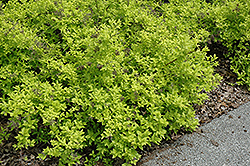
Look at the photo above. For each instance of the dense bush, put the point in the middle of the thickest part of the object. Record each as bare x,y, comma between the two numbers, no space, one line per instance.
114,75
229,23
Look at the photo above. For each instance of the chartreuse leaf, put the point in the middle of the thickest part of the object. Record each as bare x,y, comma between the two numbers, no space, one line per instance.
113,75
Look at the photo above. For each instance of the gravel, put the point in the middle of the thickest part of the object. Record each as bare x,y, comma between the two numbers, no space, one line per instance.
231,132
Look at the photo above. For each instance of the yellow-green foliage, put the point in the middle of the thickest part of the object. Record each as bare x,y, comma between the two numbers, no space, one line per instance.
115,75
229,23
226,21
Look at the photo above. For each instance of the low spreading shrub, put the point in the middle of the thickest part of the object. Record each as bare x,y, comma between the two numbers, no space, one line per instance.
229,23
112,75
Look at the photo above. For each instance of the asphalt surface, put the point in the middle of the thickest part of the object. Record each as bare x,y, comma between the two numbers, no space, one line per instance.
225,141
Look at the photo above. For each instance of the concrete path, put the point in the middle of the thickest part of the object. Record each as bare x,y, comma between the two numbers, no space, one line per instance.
225,141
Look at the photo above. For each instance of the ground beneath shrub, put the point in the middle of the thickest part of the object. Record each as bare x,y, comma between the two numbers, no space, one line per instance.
223,99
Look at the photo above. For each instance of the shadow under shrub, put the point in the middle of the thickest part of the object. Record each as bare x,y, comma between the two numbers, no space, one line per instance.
109,74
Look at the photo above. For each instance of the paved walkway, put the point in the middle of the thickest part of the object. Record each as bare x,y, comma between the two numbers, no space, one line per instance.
225,141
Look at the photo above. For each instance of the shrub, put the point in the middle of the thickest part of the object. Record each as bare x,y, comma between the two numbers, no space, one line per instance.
112,75
228,23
